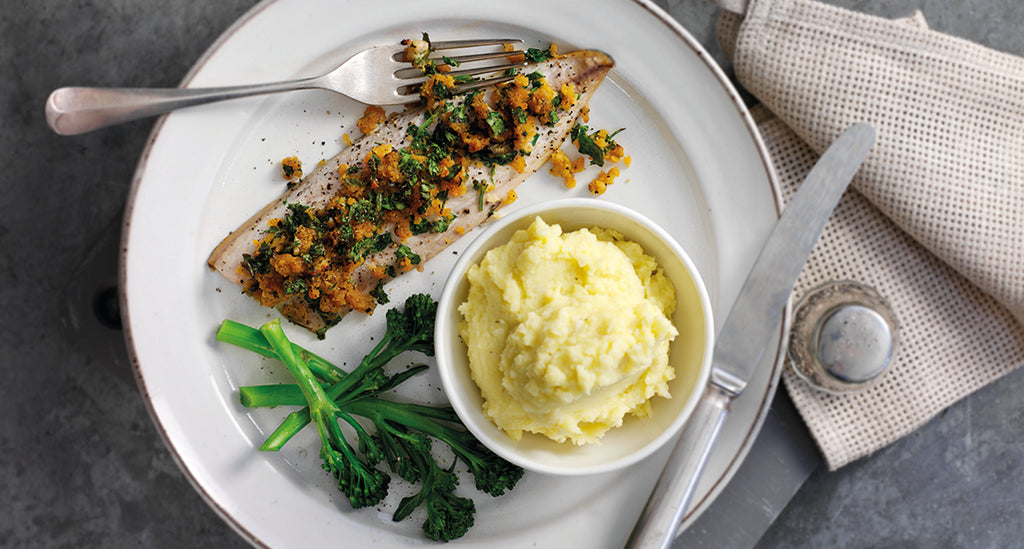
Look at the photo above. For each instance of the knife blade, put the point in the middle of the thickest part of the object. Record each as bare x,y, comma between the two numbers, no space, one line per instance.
749,328
735,6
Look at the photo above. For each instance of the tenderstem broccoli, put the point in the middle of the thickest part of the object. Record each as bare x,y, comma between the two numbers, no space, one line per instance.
403,431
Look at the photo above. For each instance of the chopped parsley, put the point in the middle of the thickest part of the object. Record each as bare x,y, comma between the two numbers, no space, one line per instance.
587,143
535,55
295,286
379,295
405,252
369,246
496,122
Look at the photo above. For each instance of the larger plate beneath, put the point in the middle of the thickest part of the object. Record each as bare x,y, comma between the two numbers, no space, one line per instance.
699,169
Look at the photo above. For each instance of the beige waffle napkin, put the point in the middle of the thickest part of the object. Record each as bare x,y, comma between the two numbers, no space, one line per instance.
936,220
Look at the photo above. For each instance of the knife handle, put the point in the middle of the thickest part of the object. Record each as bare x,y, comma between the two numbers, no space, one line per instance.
661,517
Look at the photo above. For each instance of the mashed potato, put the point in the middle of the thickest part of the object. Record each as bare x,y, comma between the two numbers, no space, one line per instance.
568,332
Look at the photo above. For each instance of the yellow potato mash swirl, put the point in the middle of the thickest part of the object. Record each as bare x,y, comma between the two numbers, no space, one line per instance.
568,332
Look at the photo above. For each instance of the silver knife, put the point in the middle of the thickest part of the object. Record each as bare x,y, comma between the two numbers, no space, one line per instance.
750,327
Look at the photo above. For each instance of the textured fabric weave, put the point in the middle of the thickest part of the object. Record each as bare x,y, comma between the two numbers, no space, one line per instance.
936,220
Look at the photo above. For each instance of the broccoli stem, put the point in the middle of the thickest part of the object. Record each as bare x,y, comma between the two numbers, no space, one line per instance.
269,396
318,401
256,340
279,347
359,480
296,421
414,416
292,423
284,395
253,340
409,330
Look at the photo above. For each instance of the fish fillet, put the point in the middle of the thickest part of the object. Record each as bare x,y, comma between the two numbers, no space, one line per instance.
585,70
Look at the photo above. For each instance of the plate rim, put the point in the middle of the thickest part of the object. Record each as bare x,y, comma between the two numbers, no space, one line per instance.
659,14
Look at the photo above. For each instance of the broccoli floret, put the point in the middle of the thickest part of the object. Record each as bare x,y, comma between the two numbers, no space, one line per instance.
411,329
358,479
401,447
448,516
491,473
403,430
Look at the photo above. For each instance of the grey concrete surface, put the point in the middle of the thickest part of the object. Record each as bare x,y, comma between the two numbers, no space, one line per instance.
80,461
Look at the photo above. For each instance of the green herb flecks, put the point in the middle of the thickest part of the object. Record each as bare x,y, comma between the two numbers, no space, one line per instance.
536,55
586,144
369,246
496,122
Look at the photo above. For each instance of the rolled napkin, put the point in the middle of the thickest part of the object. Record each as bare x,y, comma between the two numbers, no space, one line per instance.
936,220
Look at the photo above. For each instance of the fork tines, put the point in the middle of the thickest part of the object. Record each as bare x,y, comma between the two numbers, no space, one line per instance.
514,58
453,44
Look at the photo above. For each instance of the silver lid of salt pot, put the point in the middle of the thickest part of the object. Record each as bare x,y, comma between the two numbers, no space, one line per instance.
843,336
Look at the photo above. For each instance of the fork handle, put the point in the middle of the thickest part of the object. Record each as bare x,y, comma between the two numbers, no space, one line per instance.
71,111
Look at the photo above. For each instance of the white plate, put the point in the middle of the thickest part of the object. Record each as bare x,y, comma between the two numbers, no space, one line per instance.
699,169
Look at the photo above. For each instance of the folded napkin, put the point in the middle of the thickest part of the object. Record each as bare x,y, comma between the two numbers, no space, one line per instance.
935,219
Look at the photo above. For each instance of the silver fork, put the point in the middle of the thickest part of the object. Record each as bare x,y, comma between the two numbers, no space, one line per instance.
379,75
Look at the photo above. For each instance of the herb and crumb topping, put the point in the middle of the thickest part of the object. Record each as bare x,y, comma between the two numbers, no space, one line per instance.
393,193
291,167
600,147
372,117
